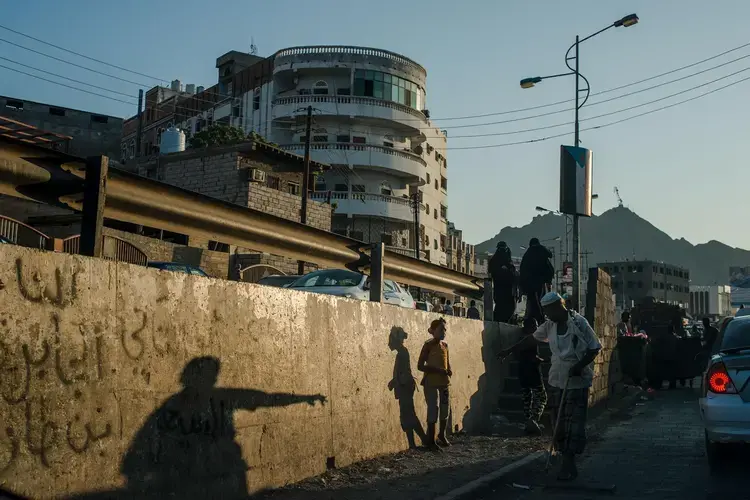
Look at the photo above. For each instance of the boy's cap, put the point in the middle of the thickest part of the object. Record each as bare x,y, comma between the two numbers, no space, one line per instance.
550,298
436,322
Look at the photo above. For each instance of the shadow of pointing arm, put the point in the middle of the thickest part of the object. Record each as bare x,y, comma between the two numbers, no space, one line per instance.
250,399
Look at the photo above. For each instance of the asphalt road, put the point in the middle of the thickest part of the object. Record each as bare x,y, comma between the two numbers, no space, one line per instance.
655,451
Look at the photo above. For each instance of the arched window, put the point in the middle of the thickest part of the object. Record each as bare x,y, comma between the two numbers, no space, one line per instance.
158,135
320,183
320,88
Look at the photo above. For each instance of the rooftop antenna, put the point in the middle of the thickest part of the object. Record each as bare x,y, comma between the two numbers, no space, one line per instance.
253,47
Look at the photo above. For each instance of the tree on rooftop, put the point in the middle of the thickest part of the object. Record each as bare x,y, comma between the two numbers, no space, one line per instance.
217,135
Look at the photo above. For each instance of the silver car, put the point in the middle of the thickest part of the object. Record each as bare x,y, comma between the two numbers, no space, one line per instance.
351,285
725,401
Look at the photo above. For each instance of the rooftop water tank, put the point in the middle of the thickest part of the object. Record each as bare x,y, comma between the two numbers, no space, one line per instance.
172,141
200,89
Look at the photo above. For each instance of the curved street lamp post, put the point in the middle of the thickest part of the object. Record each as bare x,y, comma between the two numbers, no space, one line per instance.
527,83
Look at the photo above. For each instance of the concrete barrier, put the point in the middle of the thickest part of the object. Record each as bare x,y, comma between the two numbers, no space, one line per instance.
119,381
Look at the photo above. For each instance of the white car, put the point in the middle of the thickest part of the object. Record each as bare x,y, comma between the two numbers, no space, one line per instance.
352,285
725,401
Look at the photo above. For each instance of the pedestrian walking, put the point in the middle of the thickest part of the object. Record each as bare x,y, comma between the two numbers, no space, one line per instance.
623,327
530,377
434,362
504,283
472,312
574,347
537,272
447,308
710,334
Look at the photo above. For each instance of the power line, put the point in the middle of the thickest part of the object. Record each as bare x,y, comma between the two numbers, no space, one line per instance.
598,102
541,106
82,55
66,78
66,85
616,122
75,64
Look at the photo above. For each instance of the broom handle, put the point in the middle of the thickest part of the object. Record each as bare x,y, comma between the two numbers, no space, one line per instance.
557,420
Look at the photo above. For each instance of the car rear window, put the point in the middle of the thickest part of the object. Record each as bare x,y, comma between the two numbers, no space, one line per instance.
329,278
737,334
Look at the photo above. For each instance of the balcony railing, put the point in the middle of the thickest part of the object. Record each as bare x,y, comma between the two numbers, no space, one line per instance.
364,197
348,50
22,234
346,146
113,249
343,99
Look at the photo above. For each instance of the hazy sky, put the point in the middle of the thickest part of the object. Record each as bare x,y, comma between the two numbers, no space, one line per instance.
679,168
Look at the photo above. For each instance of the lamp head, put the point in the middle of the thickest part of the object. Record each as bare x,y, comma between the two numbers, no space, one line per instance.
527,83
627,21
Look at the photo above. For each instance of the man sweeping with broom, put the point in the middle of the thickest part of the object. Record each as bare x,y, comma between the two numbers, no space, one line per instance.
574,347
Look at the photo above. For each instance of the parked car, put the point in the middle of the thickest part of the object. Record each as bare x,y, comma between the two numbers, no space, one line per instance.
351,285
279,280
742,312
424,306
725,398
177,267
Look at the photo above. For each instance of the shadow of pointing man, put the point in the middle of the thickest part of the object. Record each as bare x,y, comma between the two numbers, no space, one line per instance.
188,444
403,384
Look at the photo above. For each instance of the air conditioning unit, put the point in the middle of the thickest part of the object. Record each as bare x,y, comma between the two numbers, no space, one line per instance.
257,175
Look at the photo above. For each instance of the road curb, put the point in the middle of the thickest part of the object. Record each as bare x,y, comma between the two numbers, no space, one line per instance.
595,428
487,479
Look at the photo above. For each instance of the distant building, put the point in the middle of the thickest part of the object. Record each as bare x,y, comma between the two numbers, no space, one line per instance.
92,134
460,255
634,280
710,300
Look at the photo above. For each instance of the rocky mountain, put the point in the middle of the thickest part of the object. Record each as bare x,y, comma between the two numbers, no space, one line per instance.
620,234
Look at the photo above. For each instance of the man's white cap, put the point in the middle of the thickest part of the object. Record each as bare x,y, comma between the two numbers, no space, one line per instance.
550,298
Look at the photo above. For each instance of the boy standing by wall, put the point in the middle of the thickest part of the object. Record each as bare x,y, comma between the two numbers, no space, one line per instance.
434,362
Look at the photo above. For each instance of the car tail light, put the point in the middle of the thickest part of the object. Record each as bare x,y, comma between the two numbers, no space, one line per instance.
718,380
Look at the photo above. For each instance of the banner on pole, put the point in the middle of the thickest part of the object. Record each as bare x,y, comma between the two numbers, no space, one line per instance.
576,171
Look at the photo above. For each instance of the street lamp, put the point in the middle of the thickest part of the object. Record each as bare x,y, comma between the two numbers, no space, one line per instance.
526,83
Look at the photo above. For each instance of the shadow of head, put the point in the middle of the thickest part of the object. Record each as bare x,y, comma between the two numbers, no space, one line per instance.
397,337
201,373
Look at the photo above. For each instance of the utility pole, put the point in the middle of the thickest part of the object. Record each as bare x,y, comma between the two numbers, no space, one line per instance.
576,228
140,125
305,181
416,199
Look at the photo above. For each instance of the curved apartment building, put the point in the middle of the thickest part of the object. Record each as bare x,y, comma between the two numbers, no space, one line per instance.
371,123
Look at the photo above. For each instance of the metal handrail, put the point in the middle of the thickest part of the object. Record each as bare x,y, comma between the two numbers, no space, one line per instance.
58,180
12,230
347,49
114,249
352,146
345,99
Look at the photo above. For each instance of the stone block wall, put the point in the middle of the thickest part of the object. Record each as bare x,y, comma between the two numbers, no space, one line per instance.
288,206
120,381
600,312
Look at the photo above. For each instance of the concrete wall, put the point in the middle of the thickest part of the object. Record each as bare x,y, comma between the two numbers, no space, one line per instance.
93,354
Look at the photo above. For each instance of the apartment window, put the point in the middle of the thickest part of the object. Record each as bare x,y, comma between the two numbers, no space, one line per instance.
661,270
272,182
435,244
428,177
256,99
341,188
427,209
443,212
344,91
320,138
320,88
640,269
385,189
56,111
661,286
99,119
386,86
342,138
15,104
436,184
237,111
293,188
444,183
434,213
320,184
358,188
656,285
387,144
218,246
359,140
305,92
